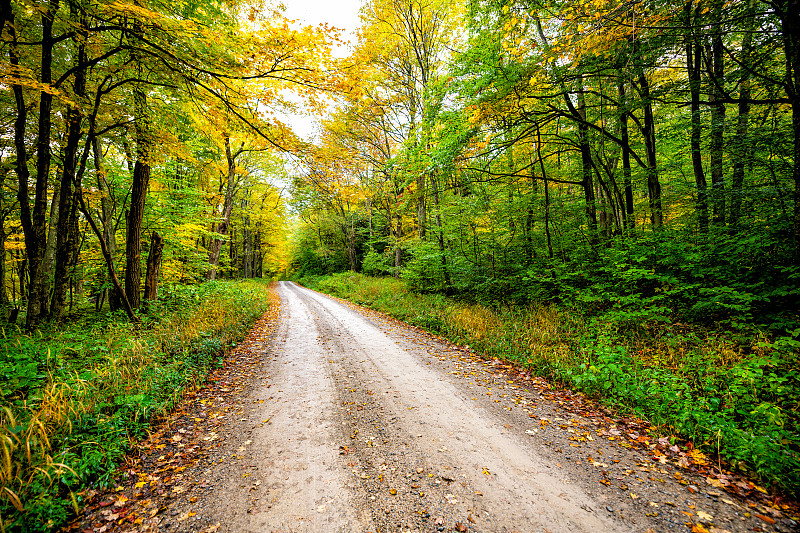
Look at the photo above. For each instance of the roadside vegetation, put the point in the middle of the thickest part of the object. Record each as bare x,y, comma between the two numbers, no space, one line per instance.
75,398
734,394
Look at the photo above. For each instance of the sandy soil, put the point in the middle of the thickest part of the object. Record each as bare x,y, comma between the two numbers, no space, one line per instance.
343,420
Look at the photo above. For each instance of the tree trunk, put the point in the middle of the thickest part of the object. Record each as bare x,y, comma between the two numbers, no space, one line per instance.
247,251
741,142
398,252
546,193
67,230
34,221
227,208
52,236
422,214
440,235
789,14
107,214
65,240
3,235
586,165
629,221
716,145
649,134
141,180
106,255
153,267
693,66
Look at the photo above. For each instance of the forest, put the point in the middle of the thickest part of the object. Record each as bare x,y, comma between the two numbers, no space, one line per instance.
607,192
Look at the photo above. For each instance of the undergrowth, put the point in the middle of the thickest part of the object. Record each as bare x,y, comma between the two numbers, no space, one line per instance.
74,398
738,399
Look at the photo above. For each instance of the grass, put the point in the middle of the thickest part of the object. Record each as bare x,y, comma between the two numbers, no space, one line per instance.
76,397
738,400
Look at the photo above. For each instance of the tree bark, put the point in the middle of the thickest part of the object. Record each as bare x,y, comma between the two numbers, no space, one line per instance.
546,193
66,231
649,134
629,220
153,267
440,235
141,180
66,240
107,217
716,145
586,165
3,235
693,66
398,252
107,256
34,221
227,208
52,236
789,13
741,142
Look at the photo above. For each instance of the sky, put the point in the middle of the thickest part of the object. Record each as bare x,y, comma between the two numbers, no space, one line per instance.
342,14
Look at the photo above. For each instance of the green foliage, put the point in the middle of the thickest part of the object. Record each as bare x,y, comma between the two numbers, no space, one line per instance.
376,264
746,413
83,394
23,368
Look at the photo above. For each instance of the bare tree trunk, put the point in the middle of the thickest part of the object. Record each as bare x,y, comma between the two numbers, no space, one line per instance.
629,221
693,66
546,193
34,221
716,147
52,236
440,234
586,164
141,180
153,267
107,219
67,232
107,256
227,208
741,142
788,12
3,235
649,134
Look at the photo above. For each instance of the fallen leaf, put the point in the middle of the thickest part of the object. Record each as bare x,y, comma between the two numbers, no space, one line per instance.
765,518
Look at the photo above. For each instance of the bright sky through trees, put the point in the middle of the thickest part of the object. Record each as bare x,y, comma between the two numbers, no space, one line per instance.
341,14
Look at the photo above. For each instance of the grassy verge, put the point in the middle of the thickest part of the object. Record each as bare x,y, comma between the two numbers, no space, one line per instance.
738,402
76,397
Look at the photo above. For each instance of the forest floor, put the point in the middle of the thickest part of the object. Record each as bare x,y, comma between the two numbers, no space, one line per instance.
334,418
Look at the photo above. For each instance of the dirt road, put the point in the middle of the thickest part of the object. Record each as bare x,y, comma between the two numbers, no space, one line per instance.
344,420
